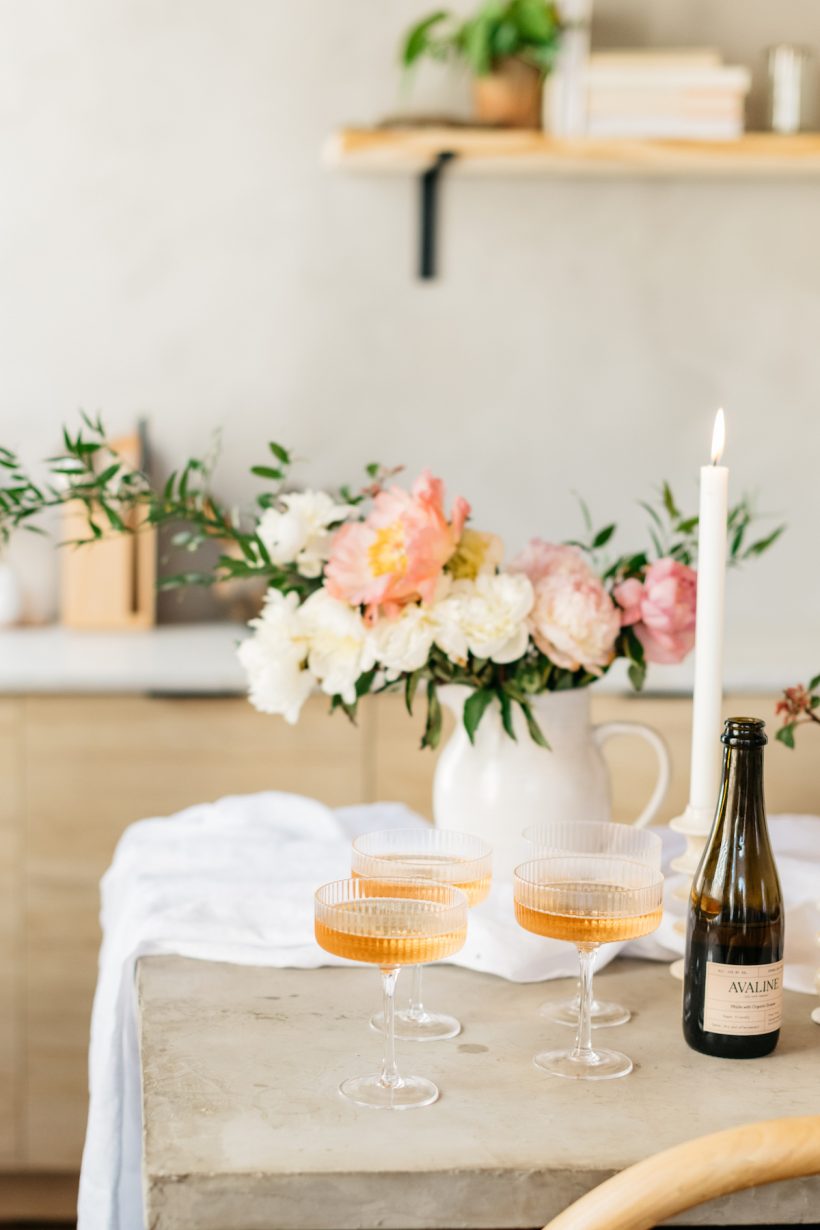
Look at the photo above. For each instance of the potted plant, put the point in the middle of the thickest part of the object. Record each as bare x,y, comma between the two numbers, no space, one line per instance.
509,47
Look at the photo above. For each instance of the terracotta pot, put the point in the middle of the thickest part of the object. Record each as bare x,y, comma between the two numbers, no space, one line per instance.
509,96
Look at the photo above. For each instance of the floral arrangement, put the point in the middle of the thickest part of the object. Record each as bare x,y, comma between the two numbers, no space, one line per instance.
386,587
799,706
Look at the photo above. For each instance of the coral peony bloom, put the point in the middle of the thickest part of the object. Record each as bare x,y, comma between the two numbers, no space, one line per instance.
573,620
661,608
398,552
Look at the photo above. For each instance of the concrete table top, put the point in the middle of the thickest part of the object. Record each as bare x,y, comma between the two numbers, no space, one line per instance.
244,1128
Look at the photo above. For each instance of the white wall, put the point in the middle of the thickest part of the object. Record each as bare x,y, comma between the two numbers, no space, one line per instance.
170,244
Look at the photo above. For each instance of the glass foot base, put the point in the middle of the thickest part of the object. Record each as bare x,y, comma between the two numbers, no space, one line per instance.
567,1012
420,1027
598,1065
371,1091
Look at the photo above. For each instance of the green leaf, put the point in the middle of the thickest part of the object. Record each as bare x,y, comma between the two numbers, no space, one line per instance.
603,536
410,685
474,709
418,38
585,513
432,729
109,473
652,513
506,714
280,453
267,472
505,39
737,538
786,735
114,519
687,526
372,468
814,683
364,682
669,502
637,675
763,544
350,711
536,733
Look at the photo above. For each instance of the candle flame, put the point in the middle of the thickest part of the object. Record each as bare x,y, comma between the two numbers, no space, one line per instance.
718,437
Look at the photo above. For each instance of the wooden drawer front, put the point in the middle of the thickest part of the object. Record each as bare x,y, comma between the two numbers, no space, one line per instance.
11,804
94,765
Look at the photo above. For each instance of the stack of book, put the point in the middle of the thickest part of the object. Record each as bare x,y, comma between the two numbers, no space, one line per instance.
687,94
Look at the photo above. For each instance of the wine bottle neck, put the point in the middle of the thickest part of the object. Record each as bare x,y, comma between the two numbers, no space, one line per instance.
742,804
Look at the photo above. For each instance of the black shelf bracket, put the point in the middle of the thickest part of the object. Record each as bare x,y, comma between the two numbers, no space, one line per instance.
428,214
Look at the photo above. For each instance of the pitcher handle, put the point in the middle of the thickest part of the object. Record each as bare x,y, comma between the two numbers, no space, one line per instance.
606,730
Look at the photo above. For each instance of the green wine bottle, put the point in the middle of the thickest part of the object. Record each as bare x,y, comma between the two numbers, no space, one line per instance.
733,980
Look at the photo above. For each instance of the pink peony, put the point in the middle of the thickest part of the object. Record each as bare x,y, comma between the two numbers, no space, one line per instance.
661,608
573,620
398,552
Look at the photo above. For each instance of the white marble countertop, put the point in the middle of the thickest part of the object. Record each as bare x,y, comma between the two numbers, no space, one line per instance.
201,659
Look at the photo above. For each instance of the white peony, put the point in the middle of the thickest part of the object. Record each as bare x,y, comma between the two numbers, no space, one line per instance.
299,533
486,616
339,644
403,642
274,658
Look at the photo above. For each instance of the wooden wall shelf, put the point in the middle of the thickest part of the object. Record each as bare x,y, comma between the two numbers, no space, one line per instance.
489,151
426,151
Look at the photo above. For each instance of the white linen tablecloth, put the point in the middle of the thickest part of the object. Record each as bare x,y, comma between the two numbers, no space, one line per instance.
234,881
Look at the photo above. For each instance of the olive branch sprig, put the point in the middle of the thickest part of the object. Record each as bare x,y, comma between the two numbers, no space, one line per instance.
120,499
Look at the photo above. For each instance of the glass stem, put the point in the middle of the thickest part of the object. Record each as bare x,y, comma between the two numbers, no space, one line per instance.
390,1073
416,1007
582,1050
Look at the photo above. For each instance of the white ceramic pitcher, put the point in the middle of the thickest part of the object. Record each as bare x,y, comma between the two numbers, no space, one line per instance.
496,787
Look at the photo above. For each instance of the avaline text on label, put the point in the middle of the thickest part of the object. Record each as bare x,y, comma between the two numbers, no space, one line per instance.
743,999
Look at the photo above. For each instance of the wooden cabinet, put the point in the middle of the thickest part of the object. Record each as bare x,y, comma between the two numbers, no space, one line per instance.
76,770
11,810
92,766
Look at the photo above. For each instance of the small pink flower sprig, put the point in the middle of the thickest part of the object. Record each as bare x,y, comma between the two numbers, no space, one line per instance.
799,707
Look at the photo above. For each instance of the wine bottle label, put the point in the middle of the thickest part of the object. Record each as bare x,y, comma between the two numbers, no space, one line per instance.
743,999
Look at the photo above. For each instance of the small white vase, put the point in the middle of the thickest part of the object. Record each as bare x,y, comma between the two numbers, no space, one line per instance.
11,600
496,787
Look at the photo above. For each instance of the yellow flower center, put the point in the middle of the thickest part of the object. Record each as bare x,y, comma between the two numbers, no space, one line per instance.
386,553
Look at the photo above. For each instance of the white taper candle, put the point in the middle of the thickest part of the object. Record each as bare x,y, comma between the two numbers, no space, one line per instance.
708,690
704,780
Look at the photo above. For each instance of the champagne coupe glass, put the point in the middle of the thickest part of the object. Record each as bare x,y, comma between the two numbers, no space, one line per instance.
390,923
441,855
591,837
590,899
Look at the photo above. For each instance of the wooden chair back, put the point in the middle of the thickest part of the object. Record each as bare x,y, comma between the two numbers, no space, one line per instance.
646,1194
